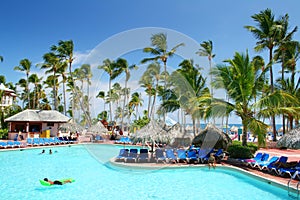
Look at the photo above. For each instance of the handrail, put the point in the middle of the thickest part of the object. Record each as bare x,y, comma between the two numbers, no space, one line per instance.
297,188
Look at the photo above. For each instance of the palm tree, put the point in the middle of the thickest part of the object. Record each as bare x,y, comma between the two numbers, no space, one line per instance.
101,95
33,78
52,63
289,55
135,102
207,51
52,82
123,66
25,66
191,91
147,82
160,51
110,68
243,82
23,96
284,43
62,71
154,72
269,34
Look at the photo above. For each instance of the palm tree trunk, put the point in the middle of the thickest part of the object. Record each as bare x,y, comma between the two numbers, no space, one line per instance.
27,88
244,135
272,90
124,103
110,106
282,78
154,99
194,127
64,94
149,103
165,87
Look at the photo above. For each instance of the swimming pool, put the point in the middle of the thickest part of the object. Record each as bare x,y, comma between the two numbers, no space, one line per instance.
97,179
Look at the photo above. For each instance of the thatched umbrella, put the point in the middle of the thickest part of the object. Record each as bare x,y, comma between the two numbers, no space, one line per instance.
152,132
71,126
179,138
98,128
291,139
212,137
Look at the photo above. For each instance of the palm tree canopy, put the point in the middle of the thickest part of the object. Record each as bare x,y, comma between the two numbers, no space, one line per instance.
24,66
160,48
206,50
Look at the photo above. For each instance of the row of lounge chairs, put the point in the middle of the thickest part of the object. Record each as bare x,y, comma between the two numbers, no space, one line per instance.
274,165
10,144
49,141
167,155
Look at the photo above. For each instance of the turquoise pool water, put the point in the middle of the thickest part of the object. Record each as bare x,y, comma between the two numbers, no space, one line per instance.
97,179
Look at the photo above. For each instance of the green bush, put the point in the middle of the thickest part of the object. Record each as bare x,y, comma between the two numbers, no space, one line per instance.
239,151
3,134
253,147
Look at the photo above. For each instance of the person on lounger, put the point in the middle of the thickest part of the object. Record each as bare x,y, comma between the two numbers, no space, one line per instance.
56,182
211,161
286,165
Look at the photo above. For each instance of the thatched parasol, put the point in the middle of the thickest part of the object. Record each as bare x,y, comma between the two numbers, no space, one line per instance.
71,126
151,132
98,128
212,137
179,138
291,139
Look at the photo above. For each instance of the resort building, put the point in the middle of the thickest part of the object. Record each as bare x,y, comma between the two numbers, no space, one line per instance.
7,97
35,123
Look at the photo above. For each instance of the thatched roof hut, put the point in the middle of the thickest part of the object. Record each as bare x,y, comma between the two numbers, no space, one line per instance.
291,139
212,137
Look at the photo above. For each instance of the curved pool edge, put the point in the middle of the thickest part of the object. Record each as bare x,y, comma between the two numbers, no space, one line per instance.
157,166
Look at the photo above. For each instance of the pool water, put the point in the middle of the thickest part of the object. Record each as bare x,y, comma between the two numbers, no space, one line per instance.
97,179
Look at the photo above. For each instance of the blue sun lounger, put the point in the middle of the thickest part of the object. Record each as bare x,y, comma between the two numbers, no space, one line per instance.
264,158
273,167
122,154
170,156
133,154
290,171
159,155
3,144
192,156
268,163
143,156
253,160
203,154
181,155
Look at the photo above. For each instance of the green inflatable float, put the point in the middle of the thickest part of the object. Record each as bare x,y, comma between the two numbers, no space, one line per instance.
63,181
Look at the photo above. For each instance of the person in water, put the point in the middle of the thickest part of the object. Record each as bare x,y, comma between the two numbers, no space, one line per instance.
211,161
50,151
56,182
43,151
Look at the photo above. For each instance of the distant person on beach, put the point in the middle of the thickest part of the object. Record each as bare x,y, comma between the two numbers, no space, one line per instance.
211,161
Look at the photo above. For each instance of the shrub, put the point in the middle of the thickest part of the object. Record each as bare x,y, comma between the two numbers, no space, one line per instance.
253,147
239,151
3,133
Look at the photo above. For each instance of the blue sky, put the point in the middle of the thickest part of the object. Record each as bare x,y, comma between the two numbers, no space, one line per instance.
28,28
